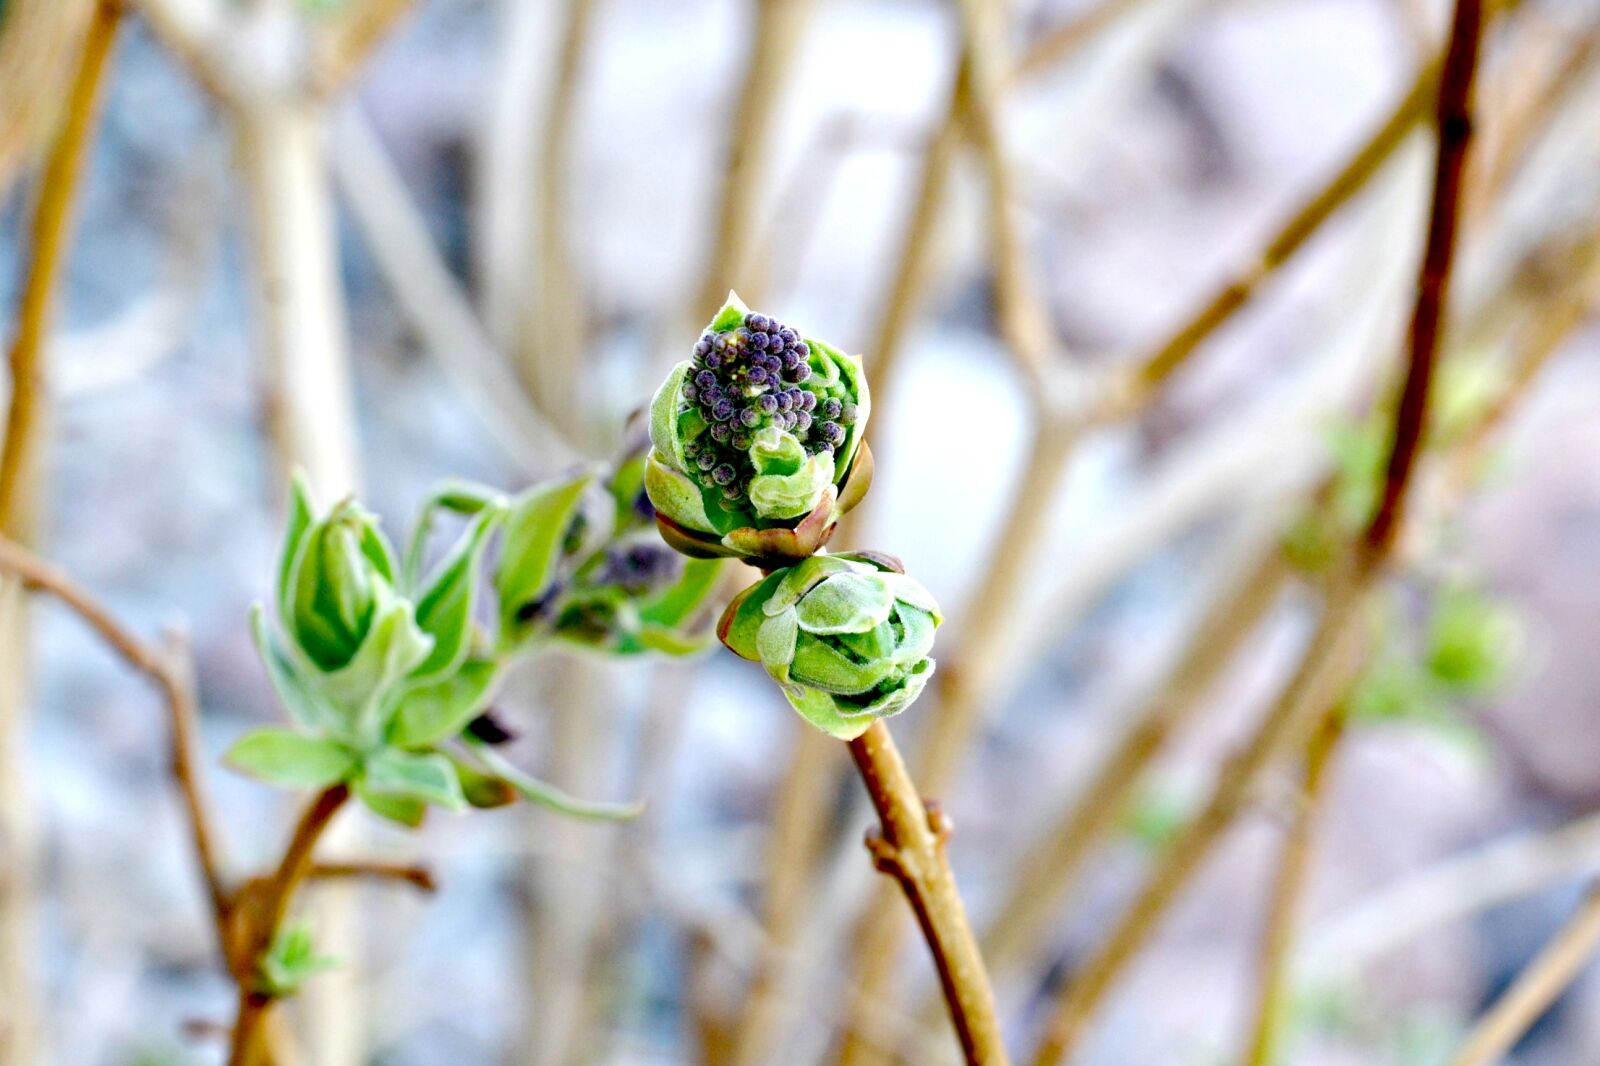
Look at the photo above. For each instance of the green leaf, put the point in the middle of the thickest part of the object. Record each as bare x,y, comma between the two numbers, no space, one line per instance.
297,694
393,648
403,810
287,759
302,511
290,961
822,712
535,532
458,497
535,791
445,610
438,710
674,604
426,777
731,316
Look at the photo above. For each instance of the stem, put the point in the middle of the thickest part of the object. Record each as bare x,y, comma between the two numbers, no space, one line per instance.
1556,967
1293,870
265,916
19,461
1322,670
910,846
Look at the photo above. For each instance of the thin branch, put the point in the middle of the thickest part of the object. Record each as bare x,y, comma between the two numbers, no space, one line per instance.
48,240
769,55
1317,680
168,671
1154,368
38,43
262,914
418,877
1294,866
1056,856
1557,966
910,847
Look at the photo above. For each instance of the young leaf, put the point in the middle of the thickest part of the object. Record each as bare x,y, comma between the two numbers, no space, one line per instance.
301,513
483,791
290,960
438,710
288,759
426,777
536,791
445,609
536,532
298,696
403,810
458,497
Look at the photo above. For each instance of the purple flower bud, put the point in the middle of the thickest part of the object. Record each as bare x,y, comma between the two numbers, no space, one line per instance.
741,441
724,474
749,417
832,432
722,410
802,421
690,392
831,408
784,400
802,349
720,343
705,379
789,359
720,432
702,346
710,396
788,336
847,414
756,375
691,449
756,321
800,373
807,400
713,360
706,460
768,403
758,339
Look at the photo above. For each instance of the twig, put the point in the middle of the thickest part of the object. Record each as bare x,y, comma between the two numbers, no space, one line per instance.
1294,866
1556,967
910,847
261,914
168,670
1056,856
418,877
19,461
52,225
37,42
1316,684
769,55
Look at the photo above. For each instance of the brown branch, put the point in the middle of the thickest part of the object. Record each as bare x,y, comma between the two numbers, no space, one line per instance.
260,913
418,877
910,847
52,225
167,669
1316,681
1559,964
1153,369
1294,866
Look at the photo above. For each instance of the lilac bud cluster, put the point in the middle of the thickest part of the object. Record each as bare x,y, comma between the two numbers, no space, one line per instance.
639,567
745,380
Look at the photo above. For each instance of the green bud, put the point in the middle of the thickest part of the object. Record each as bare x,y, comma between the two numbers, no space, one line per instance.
757,442
847,636
334,585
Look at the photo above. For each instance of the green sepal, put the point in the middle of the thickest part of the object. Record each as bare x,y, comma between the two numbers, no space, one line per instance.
731,317
483,791
458,497
287,759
